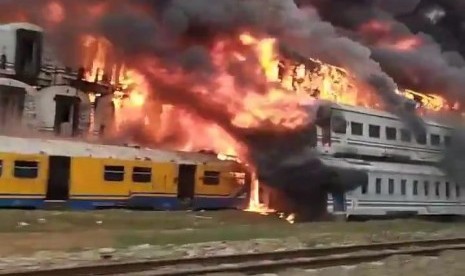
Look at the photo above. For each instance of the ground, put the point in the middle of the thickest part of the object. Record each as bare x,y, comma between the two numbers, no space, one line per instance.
449,263
40,236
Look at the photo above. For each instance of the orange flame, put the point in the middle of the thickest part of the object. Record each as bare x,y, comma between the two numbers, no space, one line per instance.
278,105
407,44
55,12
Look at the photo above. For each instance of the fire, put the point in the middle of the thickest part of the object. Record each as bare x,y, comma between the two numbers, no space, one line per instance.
55,12
96,57
323,81
380,33
407,44
430,102
133,89
285,83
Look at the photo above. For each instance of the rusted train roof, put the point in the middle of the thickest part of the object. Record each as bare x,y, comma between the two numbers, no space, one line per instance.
73,148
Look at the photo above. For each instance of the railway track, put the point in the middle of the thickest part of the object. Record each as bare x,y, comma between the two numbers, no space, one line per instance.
259,262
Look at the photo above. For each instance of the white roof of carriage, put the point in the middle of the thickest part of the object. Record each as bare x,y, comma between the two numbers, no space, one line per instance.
16,83
432,118
84,149
441,120
21,25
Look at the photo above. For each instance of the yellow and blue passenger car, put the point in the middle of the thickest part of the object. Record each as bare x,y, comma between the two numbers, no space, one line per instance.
37,172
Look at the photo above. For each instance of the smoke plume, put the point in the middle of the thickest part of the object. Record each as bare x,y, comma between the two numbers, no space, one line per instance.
419,43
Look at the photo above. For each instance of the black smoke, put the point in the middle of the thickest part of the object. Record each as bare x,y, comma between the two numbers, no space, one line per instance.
435,66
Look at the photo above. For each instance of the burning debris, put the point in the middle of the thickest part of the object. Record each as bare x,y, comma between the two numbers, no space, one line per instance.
232,75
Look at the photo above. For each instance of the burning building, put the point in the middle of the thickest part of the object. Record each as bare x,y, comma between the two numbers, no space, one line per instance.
242,78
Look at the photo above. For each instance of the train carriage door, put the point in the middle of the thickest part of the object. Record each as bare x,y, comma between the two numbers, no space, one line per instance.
11,105
58,178
66,115
186,184
323,120
339,202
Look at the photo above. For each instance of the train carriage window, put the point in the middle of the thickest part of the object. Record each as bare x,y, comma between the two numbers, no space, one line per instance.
339,124
142,174
415,187
426,187
405,135
391,186
447,141
391,133
435,139
365,188
421,139
378,185
447,190
403,187
113,173
26,169
436,188
457,190
211,178
374,131
357,128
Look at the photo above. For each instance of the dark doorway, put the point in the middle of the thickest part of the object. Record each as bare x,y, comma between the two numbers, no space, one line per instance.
186,183
28,56
11,105
339,202
58,178
66,112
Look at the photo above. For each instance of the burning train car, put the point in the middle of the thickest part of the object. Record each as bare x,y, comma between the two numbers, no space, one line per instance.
249,91
403,173
40,95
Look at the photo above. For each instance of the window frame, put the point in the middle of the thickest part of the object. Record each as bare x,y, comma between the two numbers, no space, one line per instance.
211,180
415,187
391,186
364,189
421,139
437,188
447,188
403,186
426,187
393,136
141,172
435,139
352,124
379,186
376,129
336,124
447,140
32,165
405,135
113,170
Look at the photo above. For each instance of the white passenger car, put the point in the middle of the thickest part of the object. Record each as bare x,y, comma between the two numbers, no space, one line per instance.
405,189
402,169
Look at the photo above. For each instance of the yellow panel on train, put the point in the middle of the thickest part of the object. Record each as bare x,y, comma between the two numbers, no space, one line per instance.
22,177
36,173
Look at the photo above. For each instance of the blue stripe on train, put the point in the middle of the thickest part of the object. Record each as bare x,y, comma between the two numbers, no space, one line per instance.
35,203
173,203
150,202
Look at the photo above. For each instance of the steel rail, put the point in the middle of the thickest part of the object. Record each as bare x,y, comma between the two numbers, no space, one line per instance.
256,261
318,262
